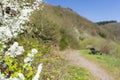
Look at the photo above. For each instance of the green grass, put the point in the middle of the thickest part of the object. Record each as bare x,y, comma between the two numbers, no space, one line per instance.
77,73
1,46
109,63
104,45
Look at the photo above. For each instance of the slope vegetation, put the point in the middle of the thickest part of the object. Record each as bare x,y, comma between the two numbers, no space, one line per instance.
113,29
63,26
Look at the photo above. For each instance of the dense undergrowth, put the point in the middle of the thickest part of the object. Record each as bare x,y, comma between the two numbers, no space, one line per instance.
53,64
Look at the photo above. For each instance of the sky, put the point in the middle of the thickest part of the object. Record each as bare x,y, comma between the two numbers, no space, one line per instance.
94,10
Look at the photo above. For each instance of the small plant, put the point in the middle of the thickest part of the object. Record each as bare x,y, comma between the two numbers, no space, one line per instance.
106,48
103,35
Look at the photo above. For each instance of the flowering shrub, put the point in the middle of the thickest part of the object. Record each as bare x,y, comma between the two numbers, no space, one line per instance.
14,50
13,21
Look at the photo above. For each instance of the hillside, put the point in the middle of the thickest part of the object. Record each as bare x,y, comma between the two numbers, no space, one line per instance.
69,27
113,29
66,29
66,18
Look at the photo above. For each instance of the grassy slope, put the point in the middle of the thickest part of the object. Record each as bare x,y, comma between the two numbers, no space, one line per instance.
66,18
77,73
113,29
72,26
78,32
109,63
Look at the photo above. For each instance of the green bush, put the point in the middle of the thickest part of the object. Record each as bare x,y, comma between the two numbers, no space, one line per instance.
63,42
44,28
101,34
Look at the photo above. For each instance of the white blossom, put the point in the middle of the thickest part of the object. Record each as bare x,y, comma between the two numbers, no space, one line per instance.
34,51
36,77
2,77
30,57
14,50
21,76
11,27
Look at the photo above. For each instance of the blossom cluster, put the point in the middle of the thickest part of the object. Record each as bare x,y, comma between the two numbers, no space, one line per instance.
30,57
11,26
14,50
12,23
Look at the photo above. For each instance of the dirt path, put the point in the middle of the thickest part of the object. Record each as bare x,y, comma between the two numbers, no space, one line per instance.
75,58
